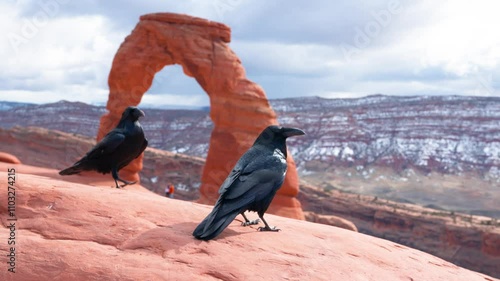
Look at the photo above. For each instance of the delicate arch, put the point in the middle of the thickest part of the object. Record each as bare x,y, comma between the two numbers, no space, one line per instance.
238,107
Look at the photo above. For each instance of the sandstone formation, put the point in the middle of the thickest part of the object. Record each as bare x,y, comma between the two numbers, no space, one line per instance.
469,241
80,232
8,158
239,108
330,220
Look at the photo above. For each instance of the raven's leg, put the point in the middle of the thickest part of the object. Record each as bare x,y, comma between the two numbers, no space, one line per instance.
114,172
248,222
266,228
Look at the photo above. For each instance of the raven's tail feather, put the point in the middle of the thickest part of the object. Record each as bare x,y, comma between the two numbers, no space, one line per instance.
75,169
213,225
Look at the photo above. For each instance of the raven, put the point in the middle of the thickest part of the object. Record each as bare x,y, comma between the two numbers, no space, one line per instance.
116,150
252,183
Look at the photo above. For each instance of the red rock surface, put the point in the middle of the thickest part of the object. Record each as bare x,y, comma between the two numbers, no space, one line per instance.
239,108
330,220
9,158
469,241
81,232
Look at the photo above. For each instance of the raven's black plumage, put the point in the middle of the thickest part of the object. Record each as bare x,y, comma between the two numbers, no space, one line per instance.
252,183
116,150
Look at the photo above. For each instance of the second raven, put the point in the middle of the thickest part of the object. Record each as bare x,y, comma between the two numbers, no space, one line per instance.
252,183
116,150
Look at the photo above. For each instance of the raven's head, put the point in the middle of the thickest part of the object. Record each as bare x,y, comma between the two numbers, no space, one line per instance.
277,134
132,113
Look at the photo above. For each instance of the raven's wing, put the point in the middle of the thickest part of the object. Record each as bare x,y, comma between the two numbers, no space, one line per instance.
234,175
256,175
144,145
247,174
246,182
230,203
258,179
107,145
241,166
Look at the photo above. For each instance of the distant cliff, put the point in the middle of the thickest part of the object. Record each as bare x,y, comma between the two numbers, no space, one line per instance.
448,134
438,151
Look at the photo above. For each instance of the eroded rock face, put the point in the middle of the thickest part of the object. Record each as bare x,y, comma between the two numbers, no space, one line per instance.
239,108
469,241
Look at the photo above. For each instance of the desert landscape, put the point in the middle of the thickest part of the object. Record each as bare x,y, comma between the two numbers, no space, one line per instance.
380,187
466,240
439,163
77,231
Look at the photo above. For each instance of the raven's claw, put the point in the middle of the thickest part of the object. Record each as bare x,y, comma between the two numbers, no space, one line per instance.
125,183
247,223
268,229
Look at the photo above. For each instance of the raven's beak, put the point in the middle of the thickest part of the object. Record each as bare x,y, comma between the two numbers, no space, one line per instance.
288,132
141,113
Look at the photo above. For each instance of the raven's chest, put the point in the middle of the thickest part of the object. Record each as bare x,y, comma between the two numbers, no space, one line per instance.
279,156
280,160
134,139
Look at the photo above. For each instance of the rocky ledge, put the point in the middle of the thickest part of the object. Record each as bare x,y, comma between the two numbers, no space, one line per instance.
73,231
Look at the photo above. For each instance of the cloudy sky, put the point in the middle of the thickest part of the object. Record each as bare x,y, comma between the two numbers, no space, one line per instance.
63,49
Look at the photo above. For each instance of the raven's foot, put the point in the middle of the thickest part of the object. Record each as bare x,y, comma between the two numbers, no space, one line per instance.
267,228
247,223
125,183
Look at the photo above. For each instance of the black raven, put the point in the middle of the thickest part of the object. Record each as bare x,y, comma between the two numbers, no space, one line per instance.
252,183
116,150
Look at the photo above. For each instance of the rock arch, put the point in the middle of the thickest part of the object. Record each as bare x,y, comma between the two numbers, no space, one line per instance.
238,107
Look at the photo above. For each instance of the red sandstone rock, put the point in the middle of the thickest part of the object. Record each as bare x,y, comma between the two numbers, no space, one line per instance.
330,220
9,158
238,107
68,231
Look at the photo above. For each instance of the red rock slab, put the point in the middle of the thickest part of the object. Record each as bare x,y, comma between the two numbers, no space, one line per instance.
9,158
85,177
70,231
330,220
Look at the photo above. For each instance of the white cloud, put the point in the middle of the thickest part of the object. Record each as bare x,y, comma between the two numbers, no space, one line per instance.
77,93
281,58
66,57
462,39
445,47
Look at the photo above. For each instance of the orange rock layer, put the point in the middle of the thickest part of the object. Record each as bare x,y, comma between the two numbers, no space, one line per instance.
238,107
